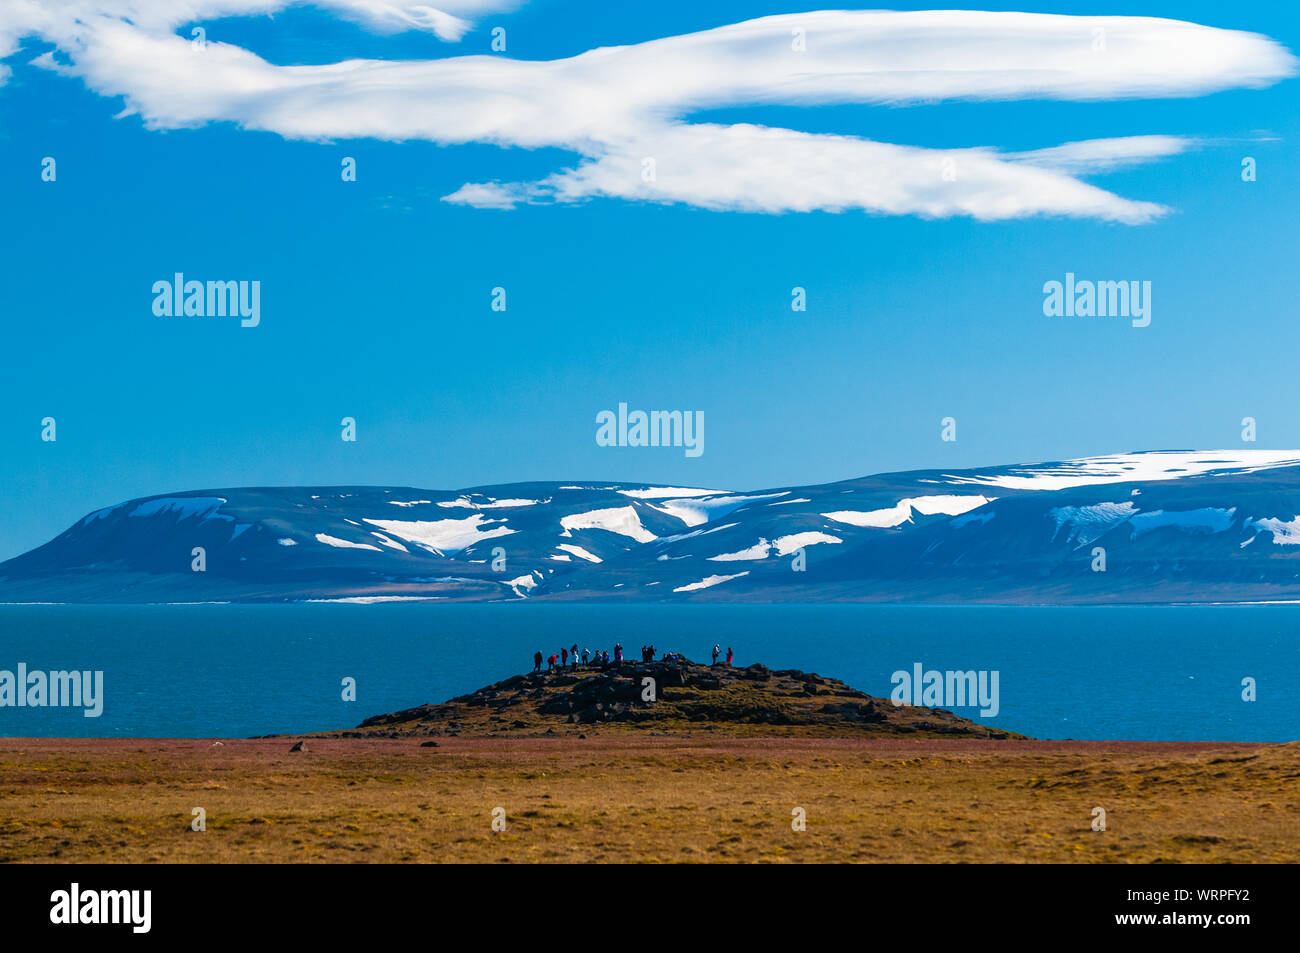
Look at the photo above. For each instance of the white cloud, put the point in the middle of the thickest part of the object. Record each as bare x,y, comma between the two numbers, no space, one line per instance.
759,169
1105,155
488,195
616,106
69,20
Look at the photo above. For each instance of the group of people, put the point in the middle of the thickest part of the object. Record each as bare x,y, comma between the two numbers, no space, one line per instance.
571,658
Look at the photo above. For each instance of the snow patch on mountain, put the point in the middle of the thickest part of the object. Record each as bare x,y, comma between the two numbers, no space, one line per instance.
1130,468
759,550
372,600
390,543
1090,522
783,545
901,512
663,492
579,552
696,511
623,520
708,581
1285,532
1205,520
526,582
342,543
444,536
698,532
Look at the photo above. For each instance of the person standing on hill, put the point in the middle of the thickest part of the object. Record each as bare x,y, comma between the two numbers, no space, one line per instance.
715,655
537,661
729,656
550,663
573,656
618,653
586,654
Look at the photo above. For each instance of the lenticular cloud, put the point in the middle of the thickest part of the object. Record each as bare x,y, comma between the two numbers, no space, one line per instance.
625,112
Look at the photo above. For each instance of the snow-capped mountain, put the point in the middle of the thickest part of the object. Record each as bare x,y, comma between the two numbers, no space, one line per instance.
1208,526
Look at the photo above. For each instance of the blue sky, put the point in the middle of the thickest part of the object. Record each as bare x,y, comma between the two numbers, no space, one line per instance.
376,293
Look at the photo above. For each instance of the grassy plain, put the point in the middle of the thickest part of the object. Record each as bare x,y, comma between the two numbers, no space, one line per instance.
625,796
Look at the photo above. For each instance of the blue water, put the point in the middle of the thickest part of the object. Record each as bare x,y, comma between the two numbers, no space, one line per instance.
234,671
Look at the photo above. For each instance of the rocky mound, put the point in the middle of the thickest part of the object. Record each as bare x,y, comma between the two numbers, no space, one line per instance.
672,696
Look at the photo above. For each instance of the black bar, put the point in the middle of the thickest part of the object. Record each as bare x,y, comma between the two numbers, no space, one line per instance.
920,903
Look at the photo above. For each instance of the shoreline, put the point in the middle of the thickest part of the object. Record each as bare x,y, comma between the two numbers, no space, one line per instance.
667,739
549,601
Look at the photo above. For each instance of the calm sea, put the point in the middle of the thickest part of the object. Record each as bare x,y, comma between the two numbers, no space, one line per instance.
226,671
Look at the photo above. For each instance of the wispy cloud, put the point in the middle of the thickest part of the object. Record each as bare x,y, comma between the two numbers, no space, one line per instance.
617,107
1105,155
75,21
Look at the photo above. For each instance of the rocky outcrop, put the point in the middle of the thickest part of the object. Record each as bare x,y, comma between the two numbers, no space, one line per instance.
671,696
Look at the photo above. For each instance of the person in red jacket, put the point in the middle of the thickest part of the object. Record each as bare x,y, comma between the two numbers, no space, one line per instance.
550,663
729,655
564,656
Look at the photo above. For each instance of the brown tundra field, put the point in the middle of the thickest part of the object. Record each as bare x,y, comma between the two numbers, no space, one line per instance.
651,799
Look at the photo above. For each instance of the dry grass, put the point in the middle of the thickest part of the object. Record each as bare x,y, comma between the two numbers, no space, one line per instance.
621,798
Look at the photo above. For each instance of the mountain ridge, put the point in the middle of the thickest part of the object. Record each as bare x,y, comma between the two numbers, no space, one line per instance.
1142,527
